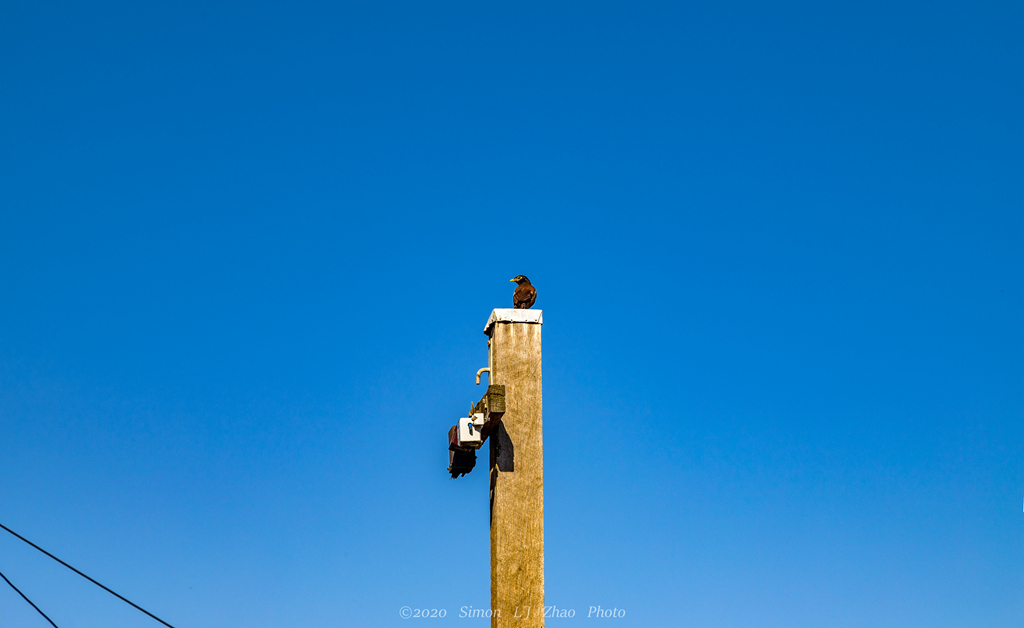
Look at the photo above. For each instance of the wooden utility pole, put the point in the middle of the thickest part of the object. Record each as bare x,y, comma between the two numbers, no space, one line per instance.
517,471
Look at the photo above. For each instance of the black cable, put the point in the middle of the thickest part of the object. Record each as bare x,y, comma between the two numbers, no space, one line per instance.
28,600
115,594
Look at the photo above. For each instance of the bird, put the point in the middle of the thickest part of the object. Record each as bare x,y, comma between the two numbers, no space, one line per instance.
525,294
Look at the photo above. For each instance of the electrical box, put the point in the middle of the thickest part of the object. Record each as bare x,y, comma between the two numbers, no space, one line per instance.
461,460
469,435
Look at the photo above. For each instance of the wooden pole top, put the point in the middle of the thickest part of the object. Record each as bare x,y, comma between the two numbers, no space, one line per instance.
510,315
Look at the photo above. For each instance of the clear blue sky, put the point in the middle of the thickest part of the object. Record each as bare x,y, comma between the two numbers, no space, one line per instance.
247,251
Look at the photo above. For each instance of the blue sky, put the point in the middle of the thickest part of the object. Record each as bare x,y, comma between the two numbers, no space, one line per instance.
247,251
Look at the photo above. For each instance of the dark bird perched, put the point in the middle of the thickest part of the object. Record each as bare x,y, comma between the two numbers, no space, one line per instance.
525,294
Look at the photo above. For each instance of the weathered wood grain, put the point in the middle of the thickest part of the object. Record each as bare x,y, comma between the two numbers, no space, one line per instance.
517,479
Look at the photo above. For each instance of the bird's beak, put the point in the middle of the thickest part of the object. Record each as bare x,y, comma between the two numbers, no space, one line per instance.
511,279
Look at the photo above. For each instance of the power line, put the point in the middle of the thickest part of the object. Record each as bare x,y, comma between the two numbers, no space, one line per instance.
107,589
28,600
